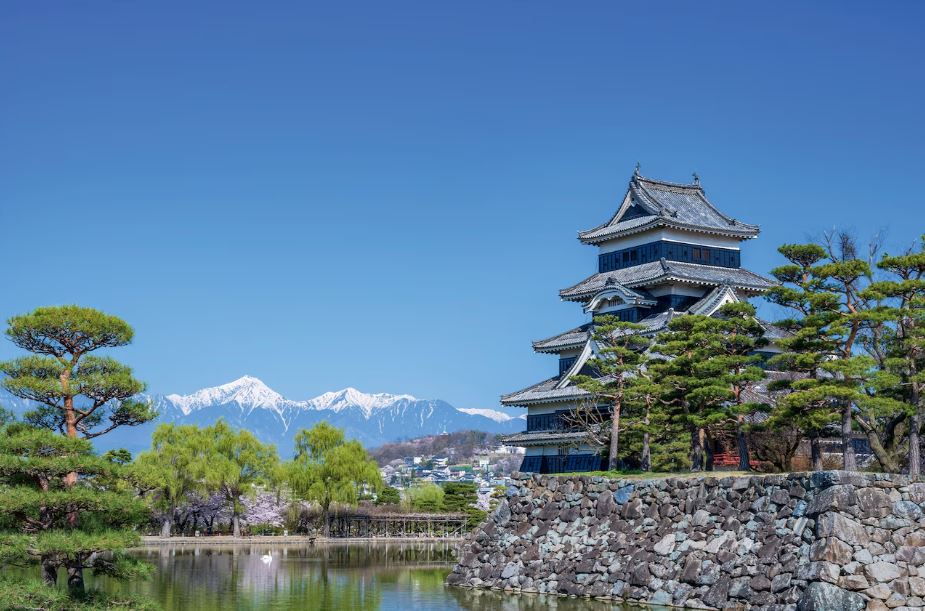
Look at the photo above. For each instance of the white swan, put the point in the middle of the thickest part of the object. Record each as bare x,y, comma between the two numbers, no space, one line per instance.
267,558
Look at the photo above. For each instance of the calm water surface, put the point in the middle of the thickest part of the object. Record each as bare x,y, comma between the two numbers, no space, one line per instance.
329,577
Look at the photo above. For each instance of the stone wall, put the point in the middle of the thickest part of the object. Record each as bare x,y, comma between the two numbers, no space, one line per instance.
823,541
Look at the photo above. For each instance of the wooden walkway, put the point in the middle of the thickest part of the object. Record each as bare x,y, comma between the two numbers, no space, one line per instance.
398,525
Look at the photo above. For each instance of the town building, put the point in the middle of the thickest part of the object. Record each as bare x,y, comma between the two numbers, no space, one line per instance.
667,251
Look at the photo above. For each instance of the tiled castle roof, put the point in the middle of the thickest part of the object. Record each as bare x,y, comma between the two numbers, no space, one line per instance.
544,438
544,392
653,203
659,271
573,338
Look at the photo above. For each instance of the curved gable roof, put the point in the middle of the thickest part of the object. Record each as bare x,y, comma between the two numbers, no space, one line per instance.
657,203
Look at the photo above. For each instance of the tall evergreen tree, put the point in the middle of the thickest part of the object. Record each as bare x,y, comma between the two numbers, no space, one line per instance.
83,396
79,393
711,363
824,286
899,344
45,519
621,350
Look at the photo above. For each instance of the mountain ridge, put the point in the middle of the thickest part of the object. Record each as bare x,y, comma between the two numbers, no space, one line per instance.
247,402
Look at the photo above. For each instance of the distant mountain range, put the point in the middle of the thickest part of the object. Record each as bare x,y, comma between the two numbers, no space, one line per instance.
373,419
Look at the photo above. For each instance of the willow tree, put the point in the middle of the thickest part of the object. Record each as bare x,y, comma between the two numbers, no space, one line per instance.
329,469
236,463
620,353
173,468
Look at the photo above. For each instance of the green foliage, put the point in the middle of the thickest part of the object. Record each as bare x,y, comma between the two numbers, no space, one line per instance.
175,466
119,456
45,518
824,286
426,497
461,497
33,594
329,469
388,496
710,367
236,461
79,393
458,496
6,416
621,354
897,343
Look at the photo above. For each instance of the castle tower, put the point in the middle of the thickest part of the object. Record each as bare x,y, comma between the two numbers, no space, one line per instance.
667,251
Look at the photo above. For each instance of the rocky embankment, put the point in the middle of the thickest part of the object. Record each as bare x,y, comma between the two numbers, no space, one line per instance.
824,541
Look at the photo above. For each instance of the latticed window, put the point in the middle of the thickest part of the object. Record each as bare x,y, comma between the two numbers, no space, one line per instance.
672,251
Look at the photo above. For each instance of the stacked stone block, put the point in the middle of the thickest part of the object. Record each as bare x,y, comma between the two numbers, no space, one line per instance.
829,540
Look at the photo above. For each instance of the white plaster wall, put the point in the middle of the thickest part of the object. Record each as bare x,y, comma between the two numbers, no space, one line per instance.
668,235
677,289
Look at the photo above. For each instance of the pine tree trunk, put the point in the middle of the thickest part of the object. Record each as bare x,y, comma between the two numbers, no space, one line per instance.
49,570
707,442
235,525
849,460
915,448
696,449
742,443
915,428
70,418
613,462
886,460
815,451
645,460
165,527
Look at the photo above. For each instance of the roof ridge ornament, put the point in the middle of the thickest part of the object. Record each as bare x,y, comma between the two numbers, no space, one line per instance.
696,178
636,171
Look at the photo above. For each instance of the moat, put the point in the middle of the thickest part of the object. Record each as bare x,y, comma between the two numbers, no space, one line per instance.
324,577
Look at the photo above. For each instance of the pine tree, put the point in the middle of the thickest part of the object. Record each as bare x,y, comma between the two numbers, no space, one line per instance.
45,519
711,363
461,497
83,396
825,287
900,344
620,353
78,393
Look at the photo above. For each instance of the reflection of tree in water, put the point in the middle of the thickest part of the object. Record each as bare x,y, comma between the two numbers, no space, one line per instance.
487,600
329,577
365,577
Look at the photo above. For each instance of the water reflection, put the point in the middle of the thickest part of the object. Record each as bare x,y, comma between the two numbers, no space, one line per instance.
337,577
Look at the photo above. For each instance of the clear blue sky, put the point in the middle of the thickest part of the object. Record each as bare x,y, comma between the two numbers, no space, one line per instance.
386,195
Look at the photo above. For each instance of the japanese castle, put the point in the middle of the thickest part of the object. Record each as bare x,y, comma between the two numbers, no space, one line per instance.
667,251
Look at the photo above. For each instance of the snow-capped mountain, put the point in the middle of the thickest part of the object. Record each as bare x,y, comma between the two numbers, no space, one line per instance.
488,413
248,392
248,403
